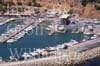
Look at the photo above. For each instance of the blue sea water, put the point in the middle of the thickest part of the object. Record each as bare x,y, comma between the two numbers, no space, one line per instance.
95,62
37,41
40,41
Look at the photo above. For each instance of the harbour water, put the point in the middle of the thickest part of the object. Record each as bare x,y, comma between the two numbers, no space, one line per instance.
95,62
40,40
36,39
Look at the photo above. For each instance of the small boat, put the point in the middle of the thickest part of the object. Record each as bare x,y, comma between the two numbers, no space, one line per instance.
82,29
12,58
87,32
1,60
72,42
34,54
16,37
48,28
51,26
84,40
39,50
26,55
11,40
51,33
29,28
94,37
40,20
49,49
61,27
63,46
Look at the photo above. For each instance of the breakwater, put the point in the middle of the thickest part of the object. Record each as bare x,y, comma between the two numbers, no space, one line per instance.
72,58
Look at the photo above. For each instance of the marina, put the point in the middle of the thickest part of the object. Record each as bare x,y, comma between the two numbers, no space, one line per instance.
31,39
65,35
21,30
49,33
16,30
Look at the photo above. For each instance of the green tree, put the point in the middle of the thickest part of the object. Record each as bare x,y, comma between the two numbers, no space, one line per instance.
19,3
97,7
37,5
85,2
29,3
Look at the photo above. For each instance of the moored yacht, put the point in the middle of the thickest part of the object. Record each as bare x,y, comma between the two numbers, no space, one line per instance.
48,28
26,55
11,40
84,40
61,27
94,37
29,28
20,35
72,42
12,58
16,37
1,60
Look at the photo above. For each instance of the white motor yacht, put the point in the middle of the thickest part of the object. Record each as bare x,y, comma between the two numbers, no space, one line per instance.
61,27
20,35
11,40
48,28
94,37
26,55
84,40
33,53
60,46
87,32
1,59
29,28
72,42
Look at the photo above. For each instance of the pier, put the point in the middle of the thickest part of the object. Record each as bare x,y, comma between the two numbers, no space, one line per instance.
8,35
6,20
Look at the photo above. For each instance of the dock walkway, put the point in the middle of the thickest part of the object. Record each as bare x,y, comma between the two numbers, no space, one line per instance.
7,36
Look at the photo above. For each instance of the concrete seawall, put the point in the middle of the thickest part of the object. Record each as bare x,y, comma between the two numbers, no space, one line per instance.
70,59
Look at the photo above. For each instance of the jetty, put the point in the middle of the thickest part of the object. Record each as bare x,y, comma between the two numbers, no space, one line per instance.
16,30
6,20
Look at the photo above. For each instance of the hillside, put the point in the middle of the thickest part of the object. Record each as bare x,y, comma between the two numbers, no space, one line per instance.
86,8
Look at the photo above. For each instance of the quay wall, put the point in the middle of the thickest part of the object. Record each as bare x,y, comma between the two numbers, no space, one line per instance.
70,59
